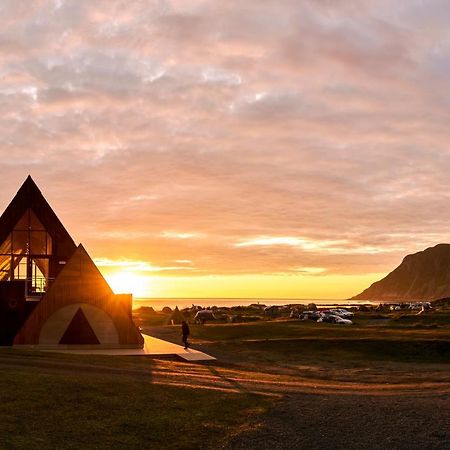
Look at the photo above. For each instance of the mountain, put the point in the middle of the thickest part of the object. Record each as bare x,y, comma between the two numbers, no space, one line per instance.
421,276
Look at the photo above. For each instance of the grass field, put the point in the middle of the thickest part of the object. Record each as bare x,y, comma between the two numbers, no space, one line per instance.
376,348
60,401
395,338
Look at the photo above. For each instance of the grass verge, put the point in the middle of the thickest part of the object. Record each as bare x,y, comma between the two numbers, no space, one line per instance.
42,408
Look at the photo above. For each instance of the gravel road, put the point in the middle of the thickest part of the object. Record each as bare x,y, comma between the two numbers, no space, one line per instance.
307,421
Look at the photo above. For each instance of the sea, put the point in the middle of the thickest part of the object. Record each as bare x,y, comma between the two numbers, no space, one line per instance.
160,303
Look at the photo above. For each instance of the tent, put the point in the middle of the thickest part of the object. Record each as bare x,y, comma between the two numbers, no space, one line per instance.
176,317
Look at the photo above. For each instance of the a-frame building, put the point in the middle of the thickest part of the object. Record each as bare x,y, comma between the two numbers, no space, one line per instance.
51,292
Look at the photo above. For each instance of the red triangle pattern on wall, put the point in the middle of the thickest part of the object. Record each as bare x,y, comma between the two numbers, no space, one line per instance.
79,331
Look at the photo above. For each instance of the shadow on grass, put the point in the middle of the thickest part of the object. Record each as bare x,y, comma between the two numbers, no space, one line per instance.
233,383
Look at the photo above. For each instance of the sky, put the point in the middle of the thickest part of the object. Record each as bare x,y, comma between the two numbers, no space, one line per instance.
295,149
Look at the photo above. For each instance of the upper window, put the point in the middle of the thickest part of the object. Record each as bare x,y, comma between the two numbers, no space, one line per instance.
28,243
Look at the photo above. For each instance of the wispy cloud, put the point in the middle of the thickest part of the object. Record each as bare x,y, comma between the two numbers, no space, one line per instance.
340,247
179,235
300,242
310,270
251,137
137,266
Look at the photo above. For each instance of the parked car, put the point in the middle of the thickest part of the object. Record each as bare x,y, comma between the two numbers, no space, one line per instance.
326,317
204,315
310,315
395,307
332,318
342,321
272,310
420,305
341,312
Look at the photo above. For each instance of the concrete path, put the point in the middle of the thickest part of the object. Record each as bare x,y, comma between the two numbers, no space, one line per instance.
152,347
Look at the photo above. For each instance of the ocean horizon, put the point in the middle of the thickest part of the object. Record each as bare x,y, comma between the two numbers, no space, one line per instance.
159,303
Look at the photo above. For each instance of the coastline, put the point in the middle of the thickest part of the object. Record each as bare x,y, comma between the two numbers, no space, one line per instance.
159,303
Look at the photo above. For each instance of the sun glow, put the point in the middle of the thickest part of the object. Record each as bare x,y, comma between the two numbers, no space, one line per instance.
127,282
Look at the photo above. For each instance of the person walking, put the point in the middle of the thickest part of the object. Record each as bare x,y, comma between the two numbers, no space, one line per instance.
185,332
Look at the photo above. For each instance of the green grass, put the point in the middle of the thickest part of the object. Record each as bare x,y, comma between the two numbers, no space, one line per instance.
79,407
71,402
395,337
344,352
293,329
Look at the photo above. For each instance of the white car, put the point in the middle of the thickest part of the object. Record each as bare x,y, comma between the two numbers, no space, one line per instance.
343,321
332,318
203,315
341,312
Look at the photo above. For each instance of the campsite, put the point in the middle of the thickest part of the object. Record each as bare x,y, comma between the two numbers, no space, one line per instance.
223,225
264,369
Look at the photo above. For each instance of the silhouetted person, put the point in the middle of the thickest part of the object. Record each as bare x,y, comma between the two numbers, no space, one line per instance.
185,332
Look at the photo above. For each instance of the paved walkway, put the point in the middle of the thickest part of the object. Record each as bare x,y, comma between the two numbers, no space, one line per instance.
152,347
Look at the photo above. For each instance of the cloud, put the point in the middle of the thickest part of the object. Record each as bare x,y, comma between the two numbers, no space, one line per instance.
178,235
302,243
138,266
256,137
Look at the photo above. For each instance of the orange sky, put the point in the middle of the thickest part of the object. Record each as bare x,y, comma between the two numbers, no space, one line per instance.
251,149
239,286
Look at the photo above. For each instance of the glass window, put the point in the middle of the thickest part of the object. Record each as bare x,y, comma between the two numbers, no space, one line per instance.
5,267
39,275
5,248
23,253
34,222
20,244
20,268
38,242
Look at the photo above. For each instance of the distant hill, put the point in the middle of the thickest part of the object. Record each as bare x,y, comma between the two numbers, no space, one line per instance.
421,276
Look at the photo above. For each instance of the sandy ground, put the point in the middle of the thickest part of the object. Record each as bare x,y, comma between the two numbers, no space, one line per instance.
340,421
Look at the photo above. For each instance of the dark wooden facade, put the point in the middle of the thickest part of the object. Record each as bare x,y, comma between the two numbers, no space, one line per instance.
71,280
80,282
30,197
14,307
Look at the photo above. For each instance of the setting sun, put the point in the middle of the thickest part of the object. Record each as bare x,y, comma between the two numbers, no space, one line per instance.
125,282
225,224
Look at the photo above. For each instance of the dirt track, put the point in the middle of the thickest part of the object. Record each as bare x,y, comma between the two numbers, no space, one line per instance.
233,378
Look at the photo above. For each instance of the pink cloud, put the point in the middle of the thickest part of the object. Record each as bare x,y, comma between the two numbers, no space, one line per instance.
226,121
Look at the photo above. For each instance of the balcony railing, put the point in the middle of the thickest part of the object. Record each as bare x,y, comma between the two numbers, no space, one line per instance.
37,286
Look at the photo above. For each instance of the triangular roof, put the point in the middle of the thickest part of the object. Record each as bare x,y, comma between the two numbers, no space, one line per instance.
79,331
176,317
80,281
30,197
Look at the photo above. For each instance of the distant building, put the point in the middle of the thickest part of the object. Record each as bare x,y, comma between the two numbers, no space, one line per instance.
51,292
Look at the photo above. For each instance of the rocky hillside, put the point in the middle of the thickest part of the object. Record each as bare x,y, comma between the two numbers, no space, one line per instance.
422,276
